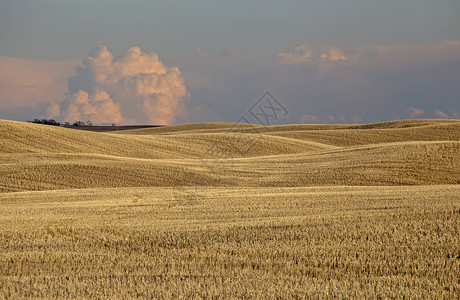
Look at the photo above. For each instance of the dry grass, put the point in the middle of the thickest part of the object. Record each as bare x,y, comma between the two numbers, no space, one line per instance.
226,211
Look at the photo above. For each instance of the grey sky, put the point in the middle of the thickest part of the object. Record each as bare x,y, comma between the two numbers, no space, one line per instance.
400,58
54,29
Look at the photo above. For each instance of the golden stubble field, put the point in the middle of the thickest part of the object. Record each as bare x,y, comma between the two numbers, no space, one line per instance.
222,210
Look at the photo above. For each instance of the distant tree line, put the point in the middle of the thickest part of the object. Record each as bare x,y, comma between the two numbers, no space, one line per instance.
80,123
46,122
56,123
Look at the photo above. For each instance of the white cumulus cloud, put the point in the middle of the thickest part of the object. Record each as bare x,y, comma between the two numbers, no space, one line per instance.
135,88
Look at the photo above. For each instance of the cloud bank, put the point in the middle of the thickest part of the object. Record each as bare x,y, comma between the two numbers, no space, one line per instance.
133,88
316,84
332,84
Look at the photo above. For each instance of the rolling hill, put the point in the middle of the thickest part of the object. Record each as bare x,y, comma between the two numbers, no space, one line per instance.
230,210
39,157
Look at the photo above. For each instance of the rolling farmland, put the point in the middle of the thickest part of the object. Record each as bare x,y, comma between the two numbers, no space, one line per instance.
231,210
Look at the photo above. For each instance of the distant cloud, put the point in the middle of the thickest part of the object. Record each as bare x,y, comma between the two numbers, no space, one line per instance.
53,110
310,53
440,114
133,88
309,119
321,58
350,84
415,112
201,53
338,119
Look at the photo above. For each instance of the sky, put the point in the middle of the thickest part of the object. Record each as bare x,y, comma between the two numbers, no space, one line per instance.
171,62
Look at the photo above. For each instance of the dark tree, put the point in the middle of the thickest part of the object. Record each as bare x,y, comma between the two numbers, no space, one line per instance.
78,123
45,122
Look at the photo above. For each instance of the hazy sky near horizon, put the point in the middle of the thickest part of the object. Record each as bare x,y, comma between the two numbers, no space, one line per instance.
201,61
